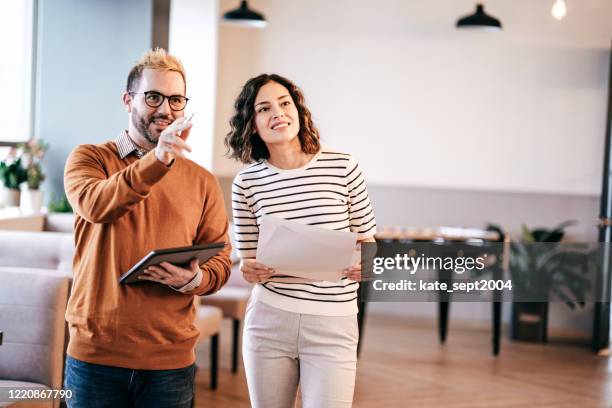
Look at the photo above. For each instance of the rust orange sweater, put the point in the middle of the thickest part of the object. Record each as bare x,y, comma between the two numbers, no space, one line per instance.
125,208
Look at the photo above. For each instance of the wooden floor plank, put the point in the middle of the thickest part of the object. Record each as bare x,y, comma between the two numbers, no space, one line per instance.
402,365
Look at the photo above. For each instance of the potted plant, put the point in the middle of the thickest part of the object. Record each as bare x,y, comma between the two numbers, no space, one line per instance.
12,174
32,154
59,214
541,266
60,205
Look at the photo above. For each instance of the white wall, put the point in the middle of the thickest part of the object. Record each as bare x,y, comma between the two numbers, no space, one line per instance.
16,22
193,38
85,51
422,104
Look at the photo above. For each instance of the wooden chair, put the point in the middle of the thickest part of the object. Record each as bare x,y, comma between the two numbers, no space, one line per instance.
208,322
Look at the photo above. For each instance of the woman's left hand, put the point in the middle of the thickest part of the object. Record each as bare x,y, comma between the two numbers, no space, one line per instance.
353,272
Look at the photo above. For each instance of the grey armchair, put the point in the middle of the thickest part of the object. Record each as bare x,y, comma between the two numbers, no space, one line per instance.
32,308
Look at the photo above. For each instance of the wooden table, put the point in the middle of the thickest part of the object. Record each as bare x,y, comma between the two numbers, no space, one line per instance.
425,234
455,237
11,218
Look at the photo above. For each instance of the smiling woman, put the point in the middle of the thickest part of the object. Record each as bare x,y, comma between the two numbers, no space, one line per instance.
253,105
302,331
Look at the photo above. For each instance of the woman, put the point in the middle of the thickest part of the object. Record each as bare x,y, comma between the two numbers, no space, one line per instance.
296,332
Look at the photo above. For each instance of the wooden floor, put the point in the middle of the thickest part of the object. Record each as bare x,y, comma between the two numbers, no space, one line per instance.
402,365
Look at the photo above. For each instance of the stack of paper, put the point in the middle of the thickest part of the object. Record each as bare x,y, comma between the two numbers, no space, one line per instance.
305,251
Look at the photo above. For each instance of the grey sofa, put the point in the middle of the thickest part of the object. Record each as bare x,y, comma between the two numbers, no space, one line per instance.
45,252
32,307
35,276
50,254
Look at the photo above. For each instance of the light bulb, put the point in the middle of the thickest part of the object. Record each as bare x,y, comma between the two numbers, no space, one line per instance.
559,9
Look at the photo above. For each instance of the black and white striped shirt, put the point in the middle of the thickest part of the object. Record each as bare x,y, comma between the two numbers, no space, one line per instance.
328,192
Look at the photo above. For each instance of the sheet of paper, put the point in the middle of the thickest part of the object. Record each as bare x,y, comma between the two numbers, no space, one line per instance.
304,251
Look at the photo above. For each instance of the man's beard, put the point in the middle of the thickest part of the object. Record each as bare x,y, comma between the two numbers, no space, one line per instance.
143,125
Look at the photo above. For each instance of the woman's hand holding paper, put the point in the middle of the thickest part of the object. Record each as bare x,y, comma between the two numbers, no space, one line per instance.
255,272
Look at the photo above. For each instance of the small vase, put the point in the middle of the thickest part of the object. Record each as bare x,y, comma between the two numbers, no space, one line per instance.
31,201
9,197
530,321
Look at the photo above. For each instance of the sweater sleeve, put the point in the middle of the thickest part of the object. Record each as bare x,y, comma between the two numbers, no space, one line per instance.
213,228
361,213
102,198
246,230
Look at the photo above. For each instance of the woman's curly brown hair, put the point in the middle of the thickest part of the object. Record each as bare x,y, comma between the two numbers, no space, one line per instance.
243,143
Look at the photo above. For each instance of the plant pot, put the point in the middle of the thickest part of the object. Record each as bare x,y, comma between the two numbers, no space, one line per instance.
9,197
530,321
31,201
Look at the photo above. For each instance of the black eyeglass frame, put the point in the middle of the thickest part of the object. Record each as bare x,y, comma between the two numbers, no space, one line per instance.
164,97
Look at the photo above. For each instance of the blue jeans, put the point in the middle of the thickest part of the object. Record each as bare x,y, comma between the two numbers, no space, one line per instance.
97,386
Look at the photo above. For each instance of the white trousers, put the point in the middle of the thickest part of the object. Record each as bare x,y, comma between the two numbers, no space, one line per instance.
282,350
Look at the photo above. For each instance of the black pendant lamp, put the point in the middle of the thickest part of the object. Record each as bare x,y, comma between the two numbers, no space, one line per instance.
480,20
244,16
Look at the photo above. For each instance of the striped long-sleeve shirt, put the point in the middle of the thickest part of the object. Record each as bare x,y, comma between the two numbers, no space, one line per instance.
328,192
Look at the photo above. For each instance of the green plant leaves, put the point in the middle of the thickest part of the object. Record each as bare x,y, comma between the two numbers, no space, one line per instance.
12,174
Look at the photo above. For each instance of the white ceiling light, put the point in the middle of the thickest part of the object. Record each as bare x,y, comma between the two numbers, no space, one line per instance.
559,9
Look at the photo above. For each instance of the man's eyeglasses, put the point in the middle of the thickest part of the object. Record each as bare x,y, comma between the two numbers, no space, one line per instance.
155,99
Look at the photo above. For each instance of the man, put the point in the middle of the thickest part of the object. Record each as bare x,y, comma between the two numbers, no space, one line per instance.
133,345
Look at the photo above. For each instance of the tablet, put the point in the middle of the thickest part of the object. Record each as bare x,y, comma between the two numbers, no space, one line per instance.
177,256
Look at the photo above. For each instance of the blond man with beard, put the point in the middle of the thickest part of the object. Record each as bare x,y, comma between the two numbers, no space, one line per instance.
133,345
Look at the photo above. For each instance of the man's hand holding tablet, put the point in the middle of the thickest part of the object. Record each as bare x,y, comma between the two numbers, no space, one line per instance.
175,267
172,275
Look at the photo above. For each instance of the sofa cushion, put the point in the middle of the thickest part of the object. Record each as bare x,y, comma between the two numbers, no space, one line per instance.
46,250
38,271
232,300
5,385
208,320
32,308
59,222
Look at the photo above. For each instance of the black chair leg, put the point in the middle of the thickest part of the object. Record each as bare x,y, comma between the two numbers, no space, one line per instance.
360,324
442,321
497,311
235,338
214,361
444,298
498,274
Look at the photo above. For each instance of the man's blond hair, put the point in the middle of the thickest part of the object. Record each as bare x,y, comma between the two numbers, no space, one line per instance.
157,59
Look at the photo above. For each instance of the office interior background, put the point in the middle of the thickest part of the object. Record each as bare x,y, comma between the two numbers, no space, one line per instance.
452,128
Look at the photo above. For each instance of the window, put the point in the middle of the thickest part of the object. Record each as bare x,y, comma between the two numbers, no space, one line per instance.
16,60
